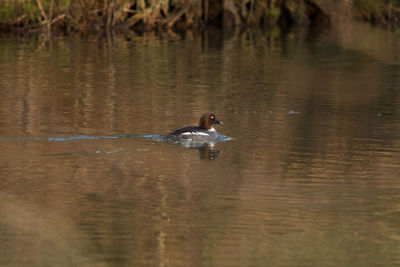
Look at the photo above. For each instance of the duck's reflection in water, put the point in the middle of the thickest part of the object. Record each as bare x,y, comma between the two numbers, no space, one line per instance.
208,152
206,149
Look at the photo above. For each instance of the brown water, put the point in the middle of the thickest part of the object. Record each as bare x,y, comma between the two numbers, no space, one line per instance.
311,176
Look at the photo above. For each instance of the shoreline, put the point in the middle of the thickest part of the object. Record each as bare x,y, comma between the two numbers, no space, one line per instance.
35,16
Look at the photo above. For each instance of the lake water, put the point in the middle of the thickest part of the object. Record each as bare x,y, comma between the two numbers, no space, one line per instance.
309,175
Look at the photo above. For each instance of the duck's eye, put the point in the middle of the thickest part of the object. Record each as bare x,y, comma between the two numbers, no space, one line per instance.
212,117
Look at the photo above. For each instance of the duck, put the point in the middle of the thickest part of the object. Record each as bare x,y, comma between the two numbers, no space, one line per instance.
204,132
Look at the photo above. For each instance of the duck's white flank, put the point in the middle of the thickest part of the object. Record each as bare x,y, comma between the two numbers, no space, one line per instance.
195,133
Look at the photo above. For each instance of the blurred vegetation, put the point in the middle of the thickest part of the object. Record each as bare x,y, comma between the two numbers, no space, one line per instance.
93,15
379,12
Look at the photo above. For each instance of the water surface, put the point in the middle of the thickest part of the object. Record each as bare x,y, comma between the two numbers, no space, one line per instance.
309,177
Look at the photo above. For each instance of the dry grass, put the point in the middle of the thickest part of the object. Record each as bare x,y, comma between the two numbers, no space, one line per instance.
89,15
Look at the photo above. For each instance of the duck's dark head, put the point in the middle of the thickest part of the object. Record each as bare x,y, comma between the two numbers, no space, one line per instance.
207,120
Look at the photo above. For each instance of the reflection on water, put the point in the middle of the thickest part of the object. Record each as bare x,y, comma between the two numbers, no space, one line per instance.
205,147
307,172
34,235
